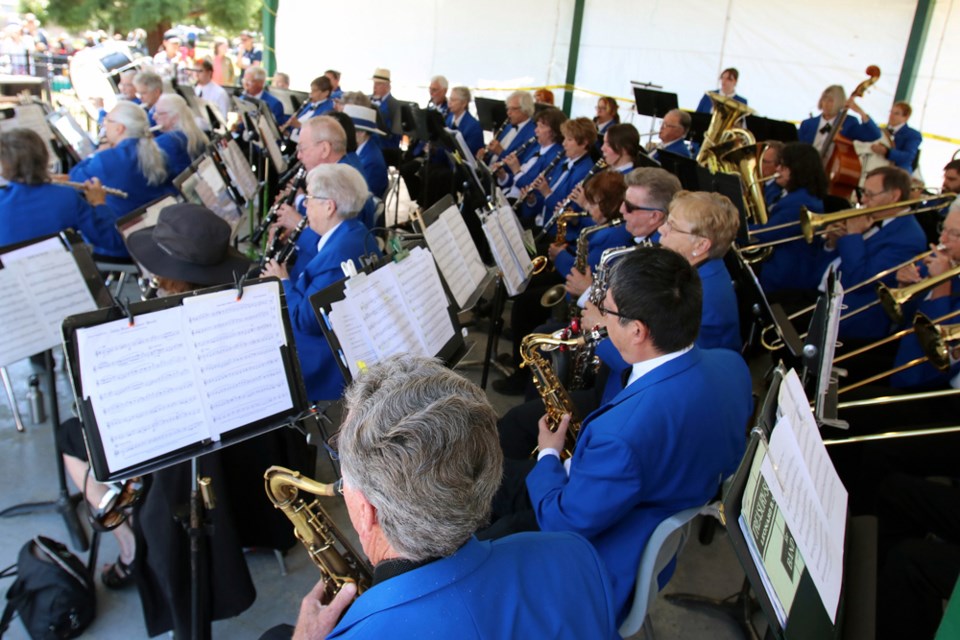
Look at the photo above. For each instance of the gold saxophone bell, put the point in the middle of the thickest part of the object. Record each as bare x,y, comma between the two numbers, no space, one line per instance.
553,296
539,263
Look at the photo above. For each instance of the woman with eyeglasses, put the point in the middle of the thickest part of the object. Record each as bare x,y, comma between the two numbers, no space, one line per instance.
792,266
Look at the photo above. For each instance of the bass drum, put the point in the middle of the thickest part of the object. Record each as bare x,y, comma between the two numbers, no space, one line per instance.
95,72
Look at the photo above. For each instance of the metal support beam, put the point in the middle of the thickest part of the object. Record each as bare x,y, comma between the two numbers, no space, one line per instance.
911,57
574,55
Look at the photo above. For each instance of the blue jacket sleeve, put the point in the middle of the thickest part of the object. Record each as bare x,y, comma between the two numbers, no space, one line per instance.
904,151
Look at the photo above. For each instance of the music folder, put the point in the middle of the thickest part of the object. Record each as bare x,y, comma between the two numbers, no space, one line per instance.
398,307
169,379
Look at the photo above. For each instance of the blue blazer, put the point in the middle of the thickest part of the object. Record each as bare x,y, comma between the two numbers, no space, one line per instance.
641,458
897,241
706,105
389,110
677,146
374,168
509,588
32,211
599,242
906,144
523,134
546,157
471,131
318,109
720,317
276,107
118,168
794,265
926,376
560,191
174,145
852,128
321,374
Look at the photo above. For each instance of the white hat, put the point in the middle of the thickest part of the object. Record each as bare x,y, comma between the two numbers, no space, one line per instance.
381,74
364,118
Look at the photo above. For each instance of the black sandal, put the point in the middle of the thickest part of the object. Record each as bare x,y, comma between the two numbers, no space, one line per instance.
118,575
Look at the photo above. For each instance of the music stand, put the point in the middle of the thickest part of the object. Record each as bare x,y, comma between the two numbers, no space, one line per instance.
819,376
699,124
71,135
686,169
490,112
769,129
413,122
19,346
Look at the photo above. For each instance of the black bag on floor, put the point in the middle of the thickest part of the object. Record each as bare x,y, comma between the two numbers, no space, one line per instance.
53,593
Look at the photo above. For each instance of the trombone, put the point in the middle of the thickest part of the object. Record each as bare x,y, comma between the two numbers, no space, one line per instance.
811,223
893,299
773,346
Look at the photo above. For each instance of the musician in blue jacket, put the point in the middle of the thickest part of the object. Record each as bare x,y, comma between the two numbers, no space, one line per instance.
388,107
460,119
517,129
254,82
673,133
728,89
420,465
320,102
181,138
335,194
133,163
818,129
904,141
525,164
800,182
30,206
661,445
864,246
368,150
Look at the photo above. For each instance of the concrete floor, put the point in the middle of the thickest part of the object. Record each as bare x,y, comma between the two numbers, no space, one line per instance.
28,474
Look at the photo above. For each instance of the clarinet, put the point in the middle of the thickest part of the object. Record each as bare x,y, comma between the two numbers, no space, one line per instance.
543,174
562,205
496,134
497,165
287,251
298,180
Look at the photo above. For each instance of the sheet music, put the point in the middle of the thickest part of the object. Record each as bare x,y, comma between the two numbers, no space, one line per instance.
39,286
206,186
31,116
239,170
503,232
141,384
379,302
355,342
819,541
146,219
236,346
269,140
425,299
184,375
456,255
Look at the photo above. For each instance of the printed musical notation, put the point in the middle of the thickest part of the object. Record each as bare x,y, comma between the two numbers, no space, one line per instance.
456,254
502,230
184,375
39,287
399,308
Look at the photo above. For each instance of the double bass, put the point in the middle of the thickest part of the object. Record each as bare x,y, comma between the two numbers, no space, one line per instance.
840,160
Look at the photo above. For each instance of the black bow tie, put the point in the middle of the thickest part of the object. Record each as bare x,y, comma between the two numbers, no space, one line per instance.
515,126
826,128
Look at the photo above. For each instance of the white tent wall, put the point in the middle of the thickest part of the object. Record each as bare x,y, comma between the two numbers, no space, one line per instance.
786,52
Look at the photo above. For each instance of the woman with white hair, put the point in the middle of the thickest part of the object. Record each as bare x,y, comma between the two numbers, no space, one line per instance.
335,195
181,138
132,163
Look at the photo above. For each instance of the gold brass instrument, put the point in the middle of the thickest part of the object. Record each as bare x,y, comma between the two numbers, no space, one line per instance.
328,548
893,299
935,340
556,399
726,113
540,262
556,293
811,223
601,279
772,346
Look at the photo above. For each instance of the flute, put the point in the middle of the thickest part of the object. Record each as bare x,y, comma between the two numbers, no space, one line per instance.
79,186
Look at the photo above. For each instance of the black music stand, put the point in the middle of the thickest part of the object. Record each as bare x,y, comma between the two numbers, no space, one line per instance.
699,124
819,376
652,103
490,112
769,129
686,169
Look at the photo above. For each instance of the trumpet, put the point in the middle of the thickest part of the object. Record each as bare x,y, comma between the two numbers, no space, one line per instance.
496,166
810,223
79,186
772,346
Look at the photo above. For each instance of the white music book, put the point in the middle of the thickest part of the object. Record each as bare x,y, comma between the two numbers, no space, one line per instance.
505,236
40,285
456,254
186,374
399,308
238,167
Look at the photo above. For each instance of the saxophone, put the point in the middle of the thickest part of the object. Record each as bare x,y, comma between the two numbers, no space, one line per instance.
602,277
556,293
556,399
326,545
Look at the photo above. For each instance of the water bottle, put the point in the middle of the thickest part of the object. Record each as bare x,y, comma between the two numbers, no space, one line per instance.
35,400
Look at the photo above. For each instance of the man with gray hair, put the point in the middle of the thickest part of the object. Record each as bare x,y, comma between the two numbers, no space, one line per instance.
149,87
254,81
519,128
438,95
421,463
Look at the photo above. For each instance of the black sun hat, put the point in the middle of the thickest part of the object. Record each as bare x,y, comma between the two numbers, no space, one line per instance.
189,243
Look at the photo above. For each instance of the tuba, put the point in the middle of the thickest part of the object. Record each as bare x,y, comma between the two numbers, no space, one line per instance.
726,113
326,545
556,399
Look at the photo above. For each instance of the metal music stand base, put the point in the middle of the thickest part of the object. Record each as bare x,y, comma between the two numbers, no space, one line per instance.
65,504
739,608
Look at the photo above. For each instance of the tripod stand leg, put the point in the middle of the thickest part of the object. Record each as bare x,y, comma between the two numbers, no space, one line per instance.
496,326
739,608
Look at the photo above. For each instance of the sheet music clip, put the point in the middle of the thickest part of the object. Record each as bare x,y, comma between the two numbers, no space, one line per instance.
397,249
124,305
238,279
349,269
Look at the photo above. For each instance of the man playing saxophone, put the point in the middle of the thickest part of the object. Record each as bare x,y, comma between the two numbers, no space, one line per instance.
421,463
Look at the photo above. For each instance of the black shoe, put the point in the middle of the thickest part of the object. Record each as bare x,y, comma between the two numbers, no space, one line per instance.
513,385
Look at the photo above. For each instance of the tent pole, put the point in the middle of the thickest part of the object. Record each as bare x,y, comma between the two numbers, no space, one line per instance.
911,57
574,55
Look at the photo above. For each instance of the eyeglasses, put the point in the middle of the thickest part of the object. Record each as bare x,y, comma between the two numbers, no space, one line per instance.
674,229
630,207
953,234
604,311
873,194
309,197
